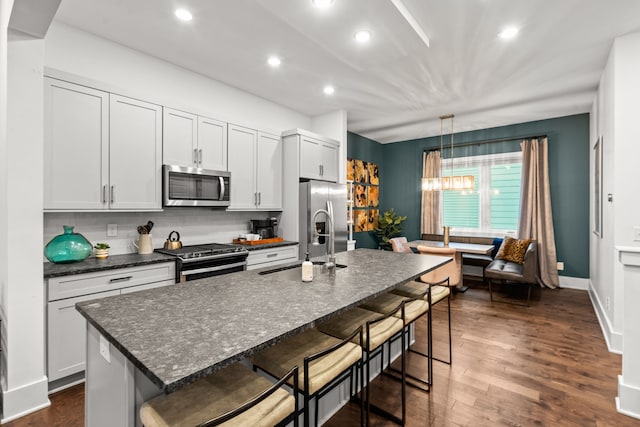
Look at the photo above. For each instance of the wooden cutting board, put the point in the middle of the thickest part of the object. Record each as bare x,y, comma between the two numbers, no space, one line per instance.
258,242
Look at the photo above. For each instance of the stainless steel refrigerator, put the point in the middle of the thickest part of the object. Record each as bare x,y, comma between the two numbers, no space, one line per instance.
316,195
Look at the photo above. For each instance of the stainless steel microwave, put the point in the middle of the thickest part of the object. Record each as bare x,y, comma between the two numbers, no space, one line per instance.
187,186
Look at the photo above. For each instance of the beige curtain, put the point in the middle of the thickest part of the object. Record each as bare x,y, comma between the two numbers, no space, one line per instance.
536,221
431,199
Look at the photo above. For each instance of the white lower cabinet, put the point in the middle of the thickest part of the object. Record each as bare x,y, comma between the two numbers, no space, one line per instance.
66,328
261,258
67,336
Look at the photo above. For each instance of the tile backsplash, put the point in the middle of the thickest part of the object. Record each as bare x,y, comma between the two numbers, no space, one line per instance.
195,225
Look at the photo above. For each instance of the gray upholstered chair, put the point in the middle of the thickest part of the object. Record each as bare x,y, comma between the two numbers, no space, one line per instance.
508,271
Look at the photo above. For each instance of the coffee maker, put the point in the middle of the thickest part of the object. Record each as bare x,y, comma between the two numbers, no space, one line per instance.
266,228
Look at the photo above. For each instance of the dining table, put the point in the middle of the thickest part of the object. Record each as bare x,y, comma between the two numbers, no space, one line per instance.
462,248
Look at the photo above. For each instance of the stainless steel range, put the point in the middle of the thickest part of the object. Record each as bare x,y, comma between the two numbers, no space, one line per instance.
213,259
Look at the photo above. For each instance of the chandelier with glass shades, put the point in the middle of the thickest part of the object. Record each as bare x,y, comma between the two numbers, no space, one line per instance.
451,182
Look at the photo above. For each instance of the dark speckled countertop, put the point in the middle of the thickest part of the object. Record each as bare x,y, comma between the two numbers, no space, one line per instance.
90,265
177,334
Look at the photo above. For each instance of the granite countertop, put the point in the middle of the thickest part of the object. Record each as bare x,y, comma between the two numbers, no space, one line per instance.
266,245
90,265
177,334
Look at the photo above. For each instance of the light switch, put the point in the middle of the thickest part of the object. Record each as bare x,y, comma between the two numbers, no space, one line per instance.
104,349
560,266
636,233
112,230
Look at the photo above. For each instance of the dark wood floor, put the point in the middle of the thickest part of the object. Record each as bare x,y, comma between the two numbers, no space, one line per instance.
544,365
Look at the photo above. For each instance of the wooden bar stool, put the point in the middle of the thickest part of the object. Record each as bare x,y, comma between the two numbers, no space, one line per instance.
378,329
326,360
233,396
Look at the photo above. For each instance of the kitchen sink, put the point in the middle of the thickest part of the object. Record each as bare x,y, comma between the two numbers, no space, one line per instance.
293,272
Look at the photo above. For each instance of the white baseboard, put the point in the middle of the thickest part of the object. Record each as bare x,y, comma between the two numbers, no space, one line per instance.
613,338
574,283
628,400
24,400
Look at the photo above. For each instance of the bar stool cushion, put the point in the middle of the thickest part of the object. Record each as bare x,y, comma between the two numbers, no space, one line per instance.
218,394
414,289
344,324
388,302
279,359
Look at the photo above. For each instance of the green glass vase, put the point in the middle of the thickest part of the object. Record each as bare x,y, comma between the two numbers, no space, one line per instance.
67,247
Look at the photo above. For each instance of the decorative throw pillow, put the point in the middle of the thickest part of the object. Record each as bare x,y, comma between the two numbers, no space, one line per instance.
513,250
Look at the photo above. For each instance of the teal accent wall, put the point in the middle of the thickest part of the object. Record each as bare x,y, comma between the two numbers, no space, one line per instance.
569,149
359,147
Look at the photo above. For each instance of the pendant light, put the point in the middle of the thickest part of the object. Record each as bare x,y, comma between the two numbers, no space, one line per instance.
451,182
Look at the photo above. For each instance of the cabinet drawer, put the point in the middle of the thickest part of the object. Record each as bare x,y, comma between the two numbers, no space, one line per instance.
147,286
90,283
263,257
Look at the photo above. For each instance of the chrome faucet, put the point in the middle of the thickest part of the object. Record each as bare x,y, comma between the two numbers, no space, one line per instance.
330,263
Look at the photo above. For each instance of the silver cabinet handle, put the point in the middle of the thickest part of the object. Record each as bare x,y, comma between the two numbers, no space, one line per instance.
223,189
120,279
104,194
195,156
200,156
272,255
113,193
255,198
259,198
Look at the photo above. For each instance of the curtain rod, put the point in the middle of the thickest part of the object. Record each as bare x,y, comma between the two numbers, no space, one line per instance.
488,141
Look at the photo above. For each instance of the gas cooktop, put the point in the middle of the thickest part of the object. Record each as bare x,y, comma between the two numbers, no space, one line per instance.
203,251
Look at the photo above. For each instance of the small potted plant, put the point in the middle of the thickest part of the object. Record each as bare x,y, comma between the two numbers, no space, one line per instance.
389,226
101,250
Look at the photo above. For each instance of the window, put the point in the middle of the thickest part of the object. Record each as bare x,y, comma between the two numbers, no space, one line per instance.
493,207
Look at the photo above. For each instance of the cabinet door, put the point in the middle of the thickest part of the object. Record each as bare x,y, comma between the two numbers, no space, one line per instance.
242,165
212,144
179,138
269,172
329,169
66,336
310,158
76,143
135,154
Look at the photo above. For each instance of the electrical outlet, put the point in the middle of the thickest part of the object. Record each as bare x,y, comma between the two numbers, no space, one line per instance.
560,266
112,230
636,233
104,349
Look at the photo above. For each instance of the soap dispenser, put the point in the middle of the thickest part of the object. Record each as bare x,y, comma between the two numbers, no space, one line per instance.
307,269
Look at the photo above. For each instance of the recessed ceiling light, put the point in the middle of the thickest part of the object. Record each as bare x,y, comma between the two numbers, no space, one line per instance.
362,36
183,14
329,90
274,61
322,3
508,33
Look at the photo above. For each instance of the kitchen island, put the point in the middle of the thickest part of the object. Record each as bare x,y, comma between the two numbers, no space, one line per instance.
142,344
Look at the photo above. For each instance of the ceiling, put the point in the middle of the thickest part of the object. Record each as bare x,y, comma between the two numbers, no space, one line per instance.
395,87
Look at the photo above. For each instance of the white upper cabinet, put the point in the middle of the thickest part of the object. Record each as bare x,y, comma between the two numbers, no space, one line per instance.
318,158
180,138
255,163
212,144
192,140
135,154
269,171
76,146
102,151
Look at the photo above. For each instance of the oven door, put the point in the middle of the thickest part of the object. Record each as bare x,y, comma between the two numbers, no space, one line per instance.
194,269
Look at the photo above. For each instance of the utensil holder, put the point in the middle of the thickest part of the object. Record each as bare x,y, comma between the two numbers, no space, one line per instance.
144,244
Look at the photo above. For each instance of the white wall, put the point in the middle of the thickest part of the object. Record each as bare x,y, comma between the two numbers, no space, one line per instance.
614,117
26,382
74,51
